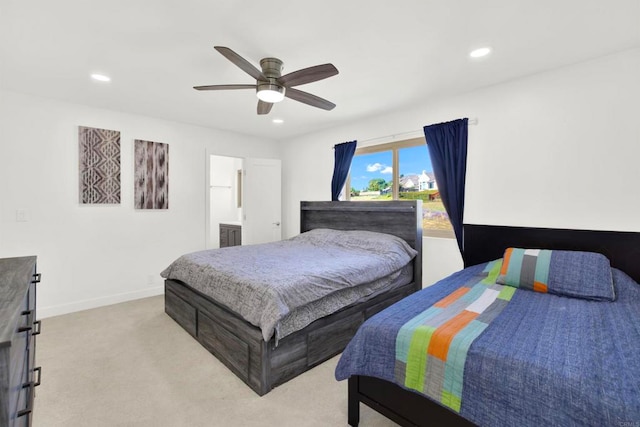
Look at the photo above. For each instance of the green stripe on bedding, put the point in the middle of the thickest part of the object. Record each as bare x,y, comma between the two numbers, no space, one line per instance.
417,359
493,270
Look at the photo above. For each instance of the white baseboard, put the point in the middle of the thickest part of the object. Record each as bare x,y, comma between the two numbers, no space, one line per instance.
57,310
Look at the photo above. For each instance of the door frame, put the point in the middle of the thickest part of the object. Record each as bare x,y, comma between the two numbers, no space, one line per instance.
207,199
208,244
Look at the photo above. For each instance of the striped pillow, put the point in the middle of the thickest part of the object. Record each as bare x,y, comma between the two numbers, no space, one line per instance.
575,274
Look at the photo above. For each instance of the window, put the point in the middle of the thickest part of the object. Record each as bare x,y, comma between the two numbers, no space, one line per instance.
400,171
371,176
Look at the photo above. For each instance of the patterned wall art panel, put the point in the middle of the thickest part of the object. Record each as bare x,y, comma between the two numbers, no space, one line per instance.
151,175
99,165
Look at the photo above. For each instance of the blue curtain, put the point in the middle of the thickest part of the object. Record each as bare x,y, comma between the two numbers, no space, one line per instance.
447,144
343,156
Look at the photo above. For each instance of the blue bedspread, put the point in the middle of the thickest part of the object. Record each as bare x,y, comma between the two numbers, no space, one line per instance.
545,360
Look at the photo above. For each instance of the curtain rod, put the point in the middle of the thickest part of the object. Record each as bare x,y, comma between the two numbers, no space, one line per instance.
417,133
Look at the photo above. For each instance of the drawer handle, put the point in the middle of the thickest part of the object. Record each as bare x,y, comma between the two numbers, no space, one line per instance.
24,328
37,325
39,371
36,278
29,407
26,312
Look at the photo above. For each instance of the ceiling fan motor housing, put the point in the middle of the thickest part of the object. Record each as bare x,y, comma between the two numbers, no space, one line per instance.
271,67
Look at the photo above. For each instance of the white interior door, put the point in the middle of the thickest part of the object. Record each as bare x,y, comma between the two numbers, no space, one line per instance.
261,201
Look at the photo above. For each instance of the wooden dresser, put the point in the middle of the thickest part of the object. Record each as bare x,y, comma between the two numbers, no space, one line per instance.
18,330
230,235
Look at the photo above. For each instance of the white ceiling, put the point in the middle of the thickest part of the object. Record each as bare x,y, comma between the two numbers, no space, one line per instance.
391,55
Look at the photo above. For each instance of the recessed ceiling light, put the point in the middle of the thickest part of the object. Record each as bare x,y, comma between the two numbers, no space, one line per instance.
479,53
101,77
277,121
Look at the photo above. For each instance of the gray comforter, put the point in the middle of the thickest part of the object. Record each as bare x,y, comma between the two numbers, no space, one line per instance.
264,283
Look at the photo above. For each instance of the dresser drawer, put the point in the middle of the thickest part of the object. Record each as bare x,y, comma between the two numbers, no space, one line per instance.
31,379
19,377
18,362
17,341
24,410
17,391
24,419
19,345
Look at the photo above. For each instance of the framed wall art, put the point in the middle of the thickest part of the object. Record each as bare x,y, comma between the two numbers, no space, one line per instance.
151,190
99,164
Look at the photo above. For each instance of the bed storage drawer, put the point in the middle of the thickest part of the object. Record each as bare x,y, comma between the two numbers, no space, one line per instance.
375,309
230,349
183,312
323,341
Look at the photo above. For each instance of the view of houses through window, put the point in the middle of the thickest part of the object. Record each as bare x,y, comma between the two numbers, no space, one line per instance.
399,171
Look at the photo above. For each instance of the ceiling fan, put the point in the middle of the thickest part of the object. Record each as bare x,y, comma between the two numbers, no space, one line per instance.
271,86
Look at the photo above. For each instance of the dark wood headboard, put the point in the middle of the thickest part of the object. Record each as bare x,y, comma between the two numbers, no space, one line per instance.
484,243
399,218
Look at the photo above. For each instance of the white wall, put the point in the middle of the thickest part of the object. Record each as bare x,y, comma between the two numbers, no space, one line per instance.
92,255
538,144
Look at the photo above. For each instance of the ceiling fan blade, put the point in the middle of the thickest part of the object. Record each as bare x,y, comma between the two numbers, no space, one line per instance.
309,99
245,65
264,107
308,75
224,87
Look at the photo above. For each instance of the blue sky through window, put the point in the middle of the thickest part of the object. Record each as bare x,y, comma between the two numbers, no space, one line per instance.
413,160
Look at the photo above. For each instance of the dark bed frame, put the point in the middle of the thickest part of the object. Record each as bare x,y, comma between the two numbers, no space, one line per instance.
484,243
264,365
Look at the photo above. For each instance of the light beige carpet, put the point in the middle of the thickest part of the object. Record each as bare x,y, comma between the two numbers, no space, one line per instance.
130,364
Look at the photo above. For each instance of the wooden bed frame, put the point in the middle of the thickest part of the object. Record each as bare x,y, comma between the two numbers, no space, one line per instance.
264,365
484,243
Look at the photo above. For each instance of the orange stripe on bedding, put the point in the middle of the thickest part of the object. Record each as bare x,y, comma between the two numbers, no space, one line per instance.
451,298
442,337
505,262
539,287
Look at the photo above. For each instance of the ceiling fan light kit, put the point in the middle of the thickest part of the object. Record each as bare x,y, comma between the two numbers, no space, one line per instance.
270,92
271,86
